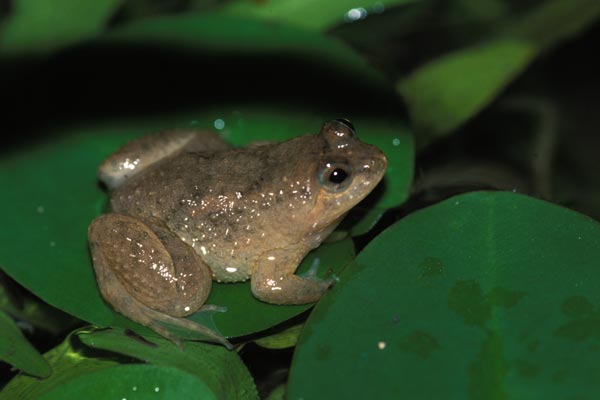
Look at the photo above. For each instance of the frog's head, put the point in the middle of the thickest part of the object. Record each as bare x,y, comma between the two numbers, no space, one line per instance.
348,170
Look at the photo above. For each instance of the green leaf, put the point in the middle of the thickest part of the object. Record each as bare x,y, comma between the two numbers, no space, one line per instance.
281,340
67,364
38,26
278,393
24,307
221,370
133,381
444,93
483,296
222,34
309,14
17,351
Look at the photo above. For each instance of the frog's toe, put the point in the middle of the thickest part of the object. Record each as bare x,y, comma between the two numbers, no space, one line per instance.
311,274
172,328
213,308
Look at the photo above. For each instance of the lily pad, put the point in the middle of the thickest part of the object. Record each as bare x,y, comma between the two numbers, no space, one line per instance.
483,296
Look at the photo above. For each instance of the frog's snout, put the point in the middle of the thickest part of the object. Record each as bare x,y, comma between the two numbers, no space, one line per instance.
381,161
376,163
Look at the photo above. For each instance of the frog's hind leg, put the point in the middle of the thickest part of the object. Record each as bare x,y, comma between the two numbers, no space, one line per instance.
140,153
150,275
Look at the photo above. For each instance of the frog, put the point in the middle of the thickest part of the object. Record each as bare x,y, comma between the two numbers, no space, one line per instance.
186,209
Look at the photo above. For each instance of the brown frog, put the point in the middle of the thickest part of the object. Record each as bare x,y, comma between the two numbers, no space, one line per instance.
186,208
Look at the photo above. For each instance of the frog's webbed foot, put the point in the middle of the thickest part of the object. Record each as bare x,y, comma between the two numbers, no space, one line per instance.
212,308
273,280
148,274
312,272
140,153
164,325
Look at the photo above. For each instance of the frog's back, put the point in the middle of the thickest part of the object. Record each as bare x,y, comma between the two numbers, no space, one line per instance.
229,205
186,180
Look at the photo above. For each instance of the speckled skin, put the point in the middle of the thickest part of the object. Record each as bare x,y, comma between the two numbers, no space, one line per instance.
185,207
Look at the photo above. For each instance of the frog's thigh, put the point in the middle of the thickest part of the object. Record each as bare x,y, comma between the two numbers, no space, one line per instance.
140,153
273,280
135,264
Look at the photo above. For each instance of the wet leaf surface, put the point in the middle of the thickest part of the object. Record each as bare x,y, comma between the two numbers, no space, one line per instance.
489,295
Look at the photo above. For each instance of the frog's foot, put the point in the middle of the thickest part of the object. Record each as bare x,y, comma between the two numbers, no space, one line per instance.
311,274
273,280
165,325
212,308
146,273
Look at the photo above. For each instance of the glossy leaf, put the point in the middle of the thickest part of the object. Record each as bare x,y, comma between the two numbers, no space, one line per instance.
221,370
439,100
38,26
137,381
219,34
310,14
34,311
281,340
483,296
277,394
17,351
67,364
449,90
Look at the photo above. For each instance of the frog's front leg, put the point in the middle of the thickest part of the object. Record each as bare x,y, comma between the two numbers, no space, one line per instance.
148,274
273,280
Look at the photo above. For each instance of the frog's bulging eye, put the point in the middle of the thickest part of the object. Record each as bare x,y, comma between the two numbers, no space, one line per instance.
338,176
338,132
347,123
335,176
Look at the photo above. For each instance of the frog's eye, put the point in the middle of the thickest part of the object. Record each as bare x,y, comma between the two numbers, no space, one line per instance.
335,176
338,132
347,124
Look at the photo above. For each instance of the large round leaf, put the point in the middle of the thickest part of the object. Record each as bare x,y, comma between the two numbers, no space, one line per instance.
483,296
